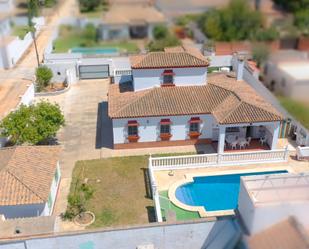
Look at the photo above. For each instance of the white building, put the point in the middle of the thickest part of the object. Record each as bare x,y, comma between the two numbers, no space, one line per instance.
287,73
172,101
30,177
265,200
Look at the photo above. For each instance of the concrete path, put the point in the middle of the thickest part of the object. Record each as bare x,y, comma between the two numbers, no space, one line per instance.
79,136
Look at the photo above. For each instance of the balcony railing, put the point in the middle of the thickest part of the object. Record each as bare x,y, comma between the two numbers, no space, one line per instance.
208,160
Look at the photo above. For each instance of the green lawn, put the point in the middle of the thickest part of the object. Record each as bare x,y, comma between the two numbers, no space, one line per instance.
70,37
181,214
298,109
20,31
121,195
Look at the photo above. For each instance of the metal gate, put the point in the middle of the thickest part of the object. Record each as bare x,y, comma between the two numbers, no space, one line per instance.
93,71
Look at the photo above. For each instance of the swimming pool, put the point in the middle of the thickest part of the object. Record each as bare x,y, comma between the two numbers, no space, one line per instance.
105,51
214,193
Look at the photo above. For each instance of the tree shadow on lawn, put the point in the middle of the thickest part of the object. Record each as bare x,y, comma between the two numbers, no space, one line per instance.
151,214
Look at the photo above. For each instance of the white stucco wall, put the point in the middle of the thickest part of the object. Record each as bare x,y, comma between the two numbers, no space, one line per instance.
149,128
258,217
21,211
220,60
147,78
5,27
28,96
14,50
285,84
53,193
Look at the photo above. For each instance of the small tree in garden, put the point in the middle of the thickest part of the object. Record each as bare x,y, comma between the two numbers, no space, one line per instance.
43,76
260,54
32,124
78,199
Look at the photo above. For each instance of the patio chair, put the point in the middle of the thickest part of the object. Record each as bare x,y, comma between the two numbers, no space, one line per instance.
248,141
233,145
263,140
242,144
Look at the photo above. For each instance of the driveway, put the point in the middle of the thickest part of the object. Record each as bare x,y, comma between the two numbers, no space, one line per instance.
80,137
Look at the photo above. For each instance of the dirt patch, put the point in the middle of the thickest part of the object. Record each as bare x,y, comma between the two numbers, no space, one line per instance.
84,219
55,87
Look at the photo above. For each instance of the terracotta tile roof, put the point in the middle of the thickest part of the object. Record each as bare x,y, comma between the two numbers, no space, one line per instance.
230,101
26,174
287,234
172,57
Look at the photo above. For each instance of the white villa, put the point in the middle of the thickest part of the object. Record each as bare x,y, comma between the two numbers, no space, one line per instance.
172,101
30,177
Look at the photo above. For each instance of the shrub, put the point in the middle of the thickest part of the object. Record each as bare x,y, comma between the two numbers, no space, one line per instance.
160,32
237,21
88,5
43,76
78,199
260,53
302,21
32,124
159,45
269,34
90,32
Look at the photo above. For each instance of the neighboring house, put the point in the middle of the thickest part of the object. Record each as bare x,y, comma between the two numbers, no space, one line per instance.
273,210
29,177
287,73
172,101
124,21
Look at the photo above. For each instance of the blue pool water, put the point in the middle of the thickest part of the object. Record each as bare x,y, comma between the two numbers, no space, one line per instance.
215,193
106,51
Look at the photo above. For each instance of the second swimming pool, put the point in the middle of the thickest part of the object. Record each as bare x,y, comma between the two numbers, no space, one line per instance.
214,193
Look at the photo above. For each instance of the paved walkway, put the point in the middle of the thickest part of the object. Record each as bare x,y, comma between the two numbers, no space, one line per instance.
79,136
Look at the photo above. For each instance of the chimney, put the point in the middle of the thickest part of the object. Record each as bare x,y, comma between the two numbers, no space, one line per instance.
240,67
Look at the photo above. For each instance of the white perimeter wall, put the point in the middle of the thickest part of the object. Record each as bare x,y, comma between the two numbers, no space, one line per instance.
200,234
13,51
147,78
28,97
149,128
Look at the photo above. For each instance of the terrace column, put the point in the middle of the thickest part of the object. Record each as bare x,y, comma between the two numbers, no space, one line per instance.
221,140
275,135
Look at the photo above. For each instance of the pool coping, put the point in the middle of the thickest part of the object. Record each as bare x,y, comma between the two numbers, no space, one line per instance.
201,209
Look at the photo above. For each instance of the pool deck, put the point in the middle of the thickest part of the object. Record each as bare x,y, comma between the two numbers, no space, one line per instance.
171,179
165,180
188,178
